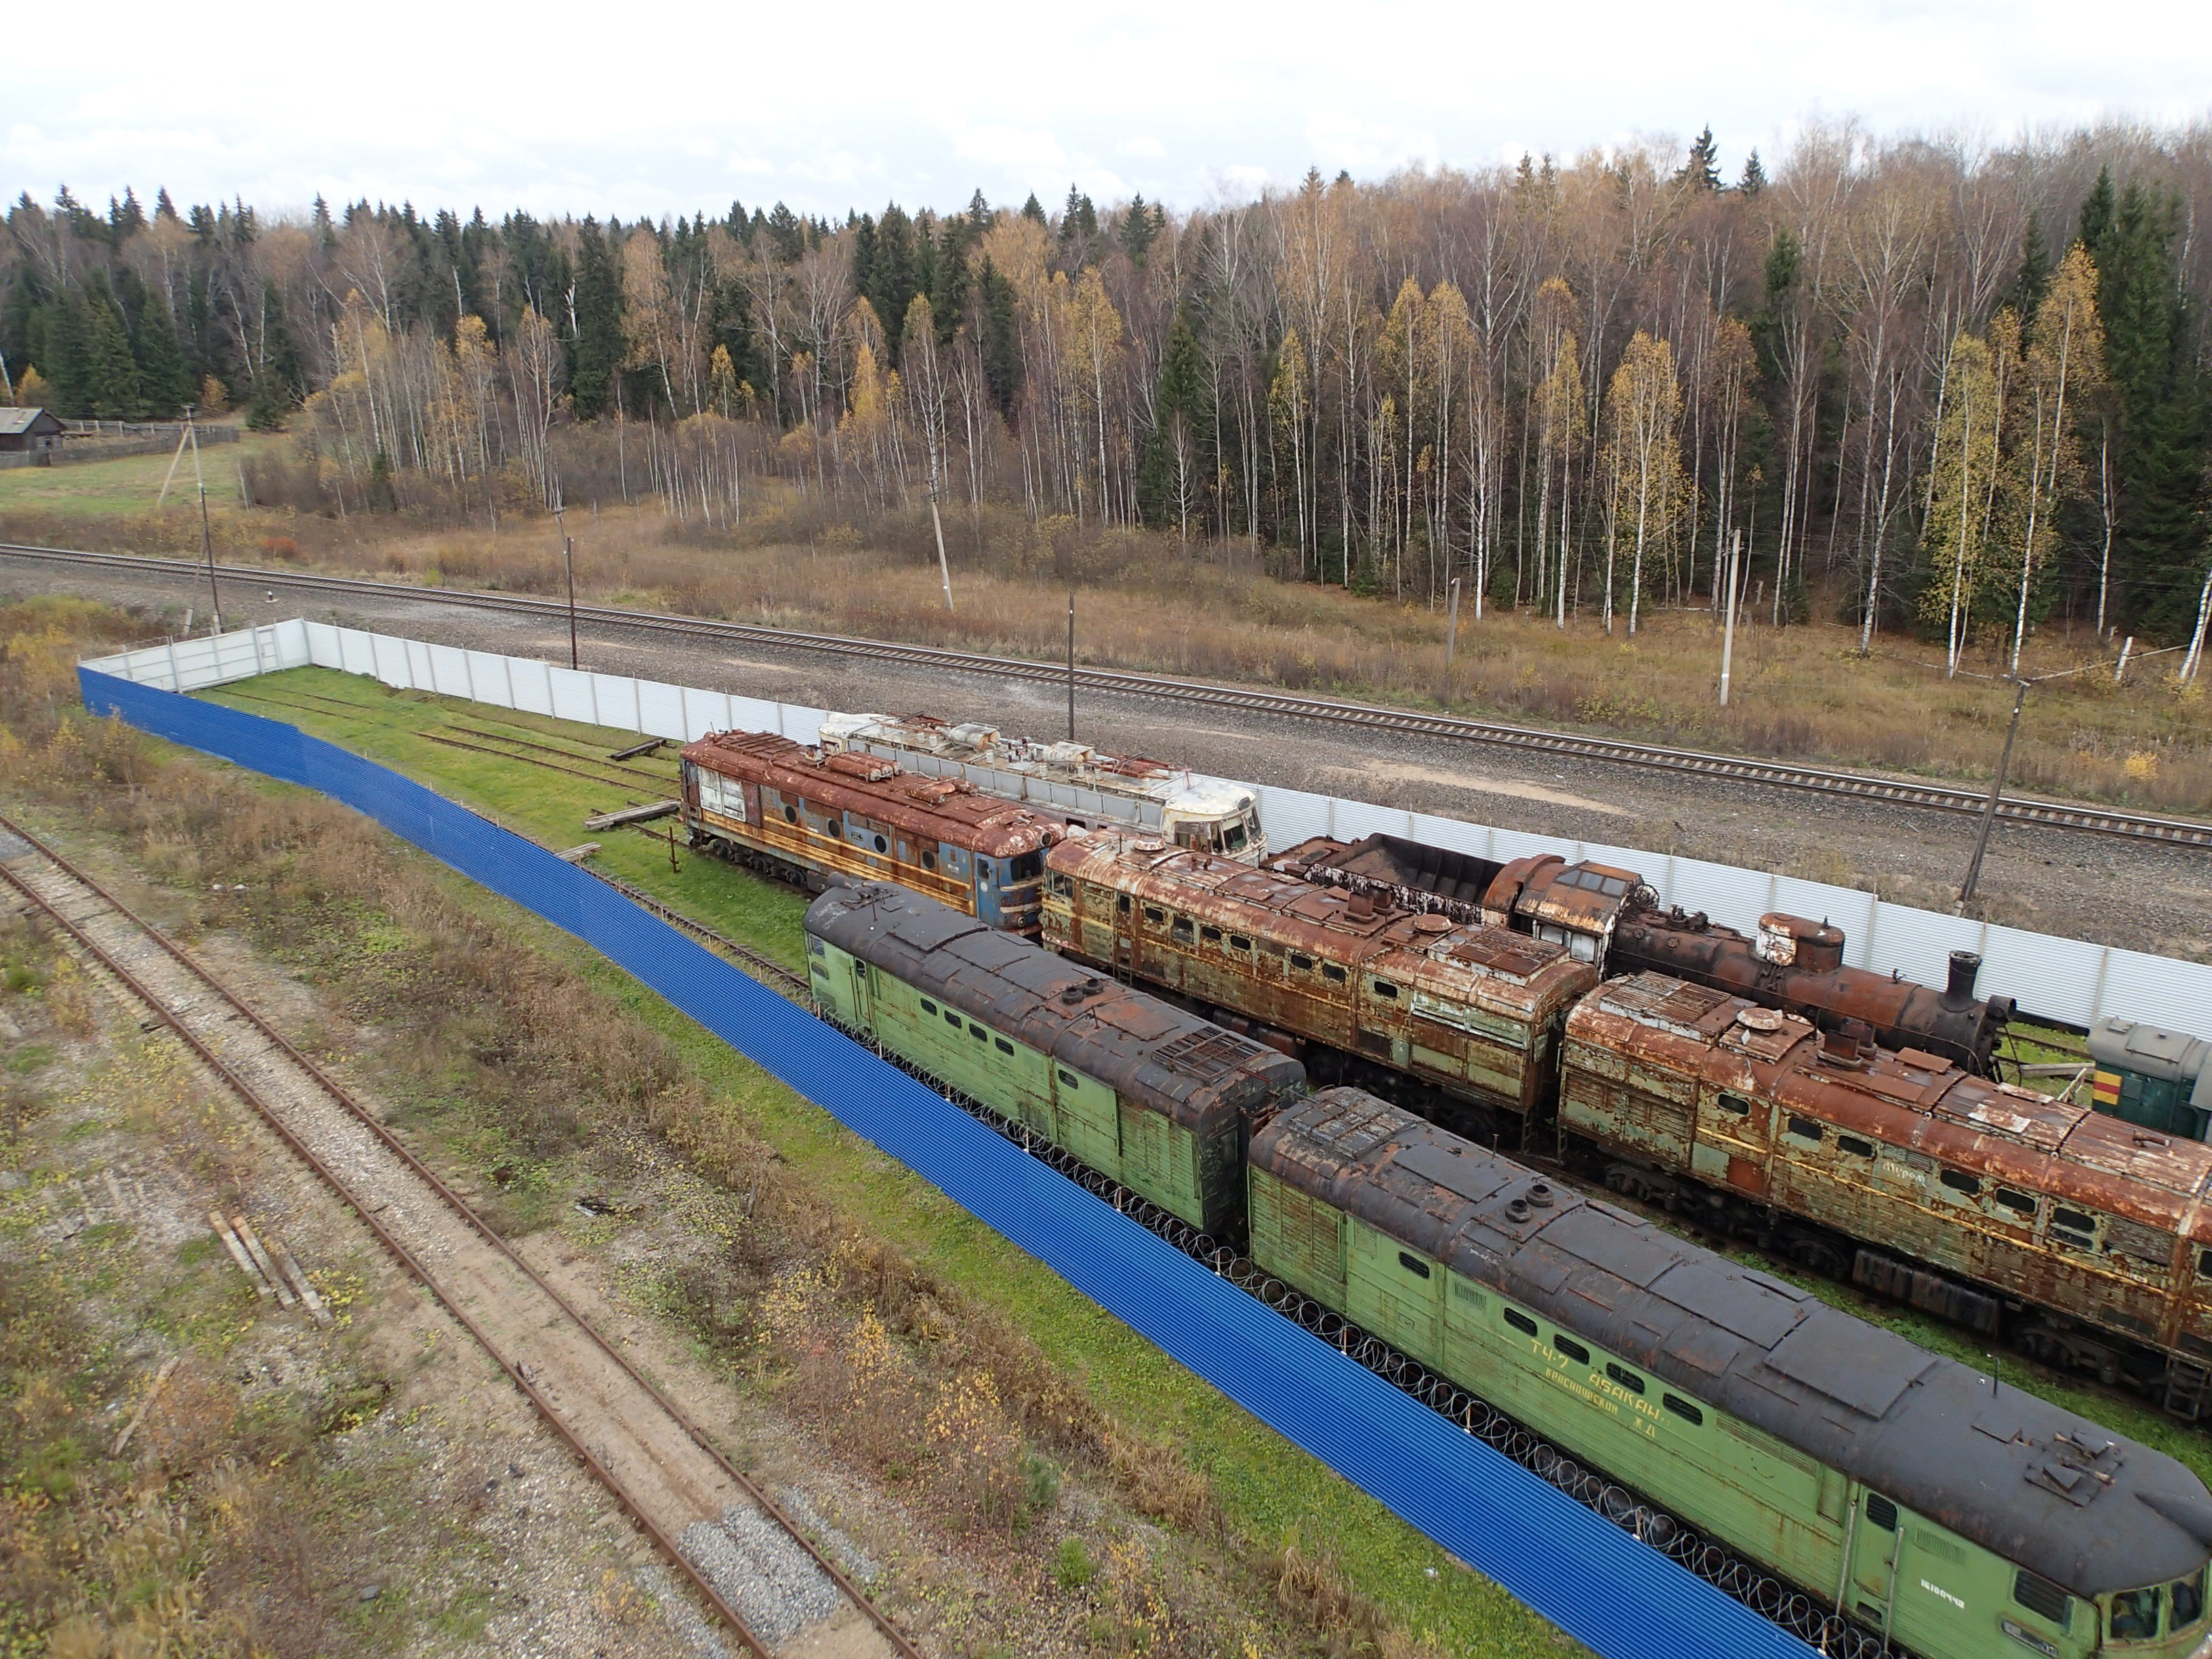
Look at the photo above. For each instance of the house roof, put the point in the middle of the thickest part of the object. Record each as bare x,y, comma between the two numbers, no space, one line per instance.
14,421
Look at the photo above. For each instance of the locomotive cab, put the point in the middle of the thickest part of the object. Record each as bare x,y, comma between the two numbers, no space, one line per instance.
2158,1079
2157,1619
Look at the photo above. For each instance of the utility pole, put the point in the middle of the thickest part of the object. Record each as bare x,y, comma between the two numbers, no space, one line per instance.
1735,592
1071,664
1989,806
207,536
1451,628
569,568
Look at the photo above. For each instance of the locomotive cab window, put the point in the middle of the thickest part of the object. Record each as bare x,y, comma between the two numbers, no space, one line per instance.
2186,1600
1063,886
2134,1617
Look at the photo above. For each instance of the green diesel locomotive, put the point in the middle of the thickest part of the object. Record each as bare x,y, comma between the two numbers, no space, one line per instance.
1962,1520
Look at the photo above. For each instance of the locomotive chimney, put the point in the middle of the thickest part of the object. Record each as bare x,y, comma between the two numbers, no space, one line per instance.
1965,965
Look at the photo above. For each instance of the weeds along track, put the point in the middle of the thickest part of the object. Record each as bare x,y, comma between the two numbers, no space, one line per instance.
751,1563
1725,768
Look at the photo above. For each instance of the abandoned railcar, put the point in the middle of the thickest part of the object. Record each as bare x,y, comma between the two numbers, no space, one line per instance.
1962,1521
1462,1019
802,816
2082,1237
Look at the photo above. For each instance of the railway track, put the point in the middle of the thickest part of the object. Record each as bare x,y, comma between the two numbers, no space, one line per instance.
750,1561
1725,768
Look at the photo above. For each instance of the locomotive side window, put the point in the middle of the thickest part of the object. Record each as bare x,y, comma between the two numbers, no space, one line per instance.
1682,1408
2018,1203
1735,1105
791,815
1627,1379
2204,1264
1301,960
2040,1595
928,860
1383,988
2188,1602
1804,1129
1182,929
1121,903
1414,1264
1960,1181
1210,935
1881,1512
1331,973
927,1006
1521,1321
1067,1078
2073,1227
1238,942
979,1034
1002,1045
1573,1350
952,1019
1154,914
1855,1146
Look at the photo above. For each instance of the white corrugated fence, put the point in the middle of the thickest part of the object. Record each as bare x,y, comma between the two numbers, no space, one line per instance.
2067,980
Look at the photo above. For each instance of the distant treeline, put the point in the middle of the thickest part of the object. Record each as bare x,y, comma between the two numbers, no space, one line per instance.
1965,390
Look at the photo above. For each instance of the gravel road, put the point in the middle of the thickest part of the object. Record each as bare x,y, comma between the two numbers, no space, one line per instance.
2091,887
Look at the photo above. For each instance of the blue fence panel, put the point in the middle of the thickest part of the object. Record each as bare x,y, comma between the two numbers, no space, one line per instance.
1621,1598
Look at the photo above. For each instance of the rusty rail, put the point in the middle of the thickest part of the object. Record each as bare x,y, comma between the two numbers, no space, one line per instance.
517,1370
1734,769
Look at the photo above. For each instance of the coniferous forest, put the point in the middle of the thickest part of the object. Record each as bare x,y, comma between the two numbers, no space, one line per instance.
1954,389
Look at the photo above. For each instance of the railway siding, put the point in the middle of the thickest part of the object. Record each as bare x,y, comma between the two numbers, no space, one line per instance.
744,1556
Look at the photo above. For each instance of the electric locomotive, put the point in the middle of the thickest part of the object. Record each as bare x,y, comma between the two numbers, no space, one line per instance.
1900,1488
803,816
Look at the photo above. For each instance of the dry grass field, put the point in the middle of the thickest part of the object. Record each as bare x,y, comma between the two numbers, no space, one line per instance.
1219,613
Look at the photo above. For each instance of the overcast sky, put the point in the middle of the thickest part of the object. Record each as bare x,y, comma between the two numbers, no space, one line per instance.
678,106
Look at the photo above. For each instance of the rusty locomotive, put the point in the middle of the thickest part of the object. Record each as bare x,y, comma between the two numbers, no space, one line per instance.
1464,1021
802,816
1613,919
1832,1454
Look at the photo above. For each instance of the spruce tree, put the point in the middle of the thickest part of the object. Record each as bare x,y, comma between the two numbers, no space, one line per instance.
163,207
1178,456
1699,171
595,351
1754,176
1137,230
2097,211
67,365
111,376
2033,280
1001,343
1033,209
165,381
